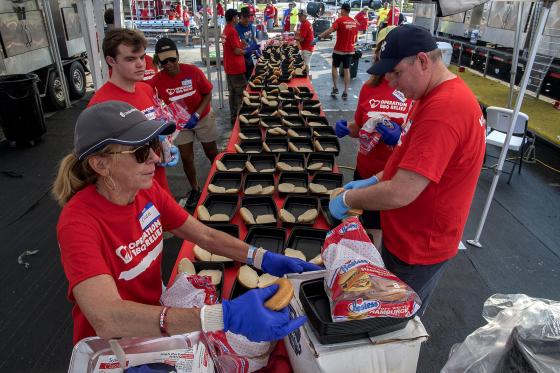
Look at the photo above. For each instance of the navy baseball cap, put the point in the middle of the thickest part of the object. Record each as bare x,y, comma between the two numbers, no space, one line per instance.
403,41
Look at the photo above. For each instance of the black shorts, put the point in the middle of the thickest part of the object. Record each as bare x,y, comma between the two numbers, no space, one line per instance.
345,59
370,219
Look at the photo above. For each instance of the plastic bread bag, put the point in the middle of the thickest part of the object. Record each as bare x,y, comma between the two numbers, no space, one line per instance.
522,335
230,352
356,281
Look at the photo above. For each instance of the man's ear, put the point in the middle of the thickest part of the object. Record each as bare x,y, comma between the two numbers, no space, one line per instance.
110,61
99,164
424,60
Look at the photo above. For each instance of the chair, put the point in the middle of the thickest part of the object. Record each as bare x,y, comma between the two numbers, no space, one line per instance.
498,120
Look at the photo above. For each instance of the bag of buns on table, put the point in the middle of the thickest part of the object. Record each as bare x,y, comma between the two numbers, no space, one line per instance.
356,281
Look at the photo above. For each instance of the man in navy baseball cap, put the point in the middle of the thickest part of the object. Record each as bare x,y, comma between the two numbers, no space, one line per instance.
403,41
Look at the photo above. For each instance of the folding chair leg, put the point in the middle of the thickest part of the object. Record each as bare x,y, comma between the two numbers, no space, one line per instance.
512,171
520,161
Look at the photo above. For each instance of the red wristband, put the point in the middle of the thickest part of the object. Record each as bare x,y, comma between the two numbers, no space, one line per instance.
163,321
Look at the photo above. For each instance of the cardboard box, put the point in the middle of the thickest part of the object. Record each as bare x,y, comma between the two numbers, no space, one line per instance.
393,352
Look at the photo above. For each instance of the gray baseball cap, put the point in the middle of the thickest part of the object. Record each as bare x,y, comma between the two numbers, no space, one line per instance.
115,122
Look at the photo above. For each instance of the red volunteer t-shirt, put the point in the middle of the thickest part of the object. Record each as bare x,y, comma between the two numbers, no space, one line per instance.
150,68
143,99
346,33
233,64
443,140
97,237
269,12
306,32
393,17
361,20
385,100
185,89
220,10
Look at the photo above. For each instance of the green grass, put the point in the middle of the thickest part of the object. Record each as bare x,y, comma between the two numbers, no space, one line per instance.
544,119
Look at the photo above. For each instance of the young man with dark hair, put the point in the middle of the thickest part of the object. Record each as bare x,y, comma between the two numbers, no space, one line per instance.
234,63
304,36
188,93
346,34
124,52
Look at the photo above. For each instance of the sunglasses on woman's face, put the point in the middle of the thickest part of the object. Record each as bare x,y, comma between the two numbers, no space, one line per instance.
142,153
169,59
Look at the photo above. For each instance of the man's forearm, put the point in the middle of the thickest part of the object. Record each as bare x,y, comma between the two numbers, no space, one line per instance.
223,244
377,197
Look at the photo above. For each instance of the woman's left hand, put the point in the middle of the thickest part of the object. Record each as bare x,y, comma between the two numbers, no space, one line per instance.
279,265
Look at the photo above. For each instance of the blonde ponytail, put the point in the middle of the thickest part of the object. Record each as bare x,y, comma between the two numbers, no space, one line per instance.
73,175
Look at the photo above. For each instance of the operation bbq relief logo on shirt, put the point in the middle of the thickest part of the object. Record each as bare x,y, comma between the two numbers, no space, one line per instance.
145,245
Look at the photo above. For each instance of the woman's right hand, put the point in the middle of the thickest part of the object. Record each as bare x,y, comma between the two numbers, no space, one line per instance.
247,315
341,128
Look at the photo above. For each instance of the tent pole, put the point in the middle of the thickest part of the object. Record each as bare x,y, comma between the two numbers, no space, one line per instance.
514,62
217,33
118,9
205,36
519,101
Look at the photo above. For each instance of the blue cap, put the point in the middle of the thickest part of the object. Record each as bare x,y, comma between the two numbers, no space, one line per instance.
403,41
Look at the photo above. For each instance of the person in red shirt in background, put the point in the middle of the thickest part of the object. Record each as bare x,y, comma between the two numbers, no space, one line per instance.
376,98
269,15
346,34
252,11
144,15
362,20
234,63
304,35
188,93
124,52
393,16
187,24
171,14
151,69
220,13
178,10
426,188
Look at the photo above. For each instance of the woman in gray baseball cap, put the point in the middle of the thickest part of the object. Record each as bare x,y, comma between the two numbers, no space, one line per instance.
110,234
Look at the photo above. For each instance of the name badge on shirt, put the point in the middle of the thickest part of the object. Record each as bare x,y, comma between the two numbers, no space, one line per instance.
148,215
399,95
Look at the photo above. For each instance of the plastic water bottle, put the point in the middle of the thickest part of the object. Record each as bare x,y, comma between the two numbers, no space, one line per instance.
474,36
369,137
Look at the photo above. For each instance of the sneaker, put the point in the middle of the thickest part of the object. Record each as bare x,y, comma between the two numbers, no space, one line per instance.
192,199
334,92
344,95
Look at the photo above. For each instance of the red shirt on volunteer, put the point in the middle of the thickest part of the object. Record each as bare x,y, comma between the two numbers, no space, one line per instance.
269,11
306,32
144,99
186,18
97,237
443,140
346,34
220,10
385,100
185,89
362,20
233,64
393,16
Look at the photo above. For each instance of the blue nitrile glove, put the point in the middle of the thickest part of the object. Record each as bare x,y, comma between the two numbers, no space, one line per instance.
248,51
193,121
338,208
315,40
359,184
257,47
247,315
341,128
174,157
389,136
279,265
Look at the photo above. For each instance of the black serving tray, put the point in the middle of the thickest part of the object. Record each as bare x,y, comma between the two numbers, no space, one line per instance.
251,146
277,145
234,160
199,266
297,205
263,162
290,110
326,158
269,135
264,179
329,141
315,111
261,205
251,131
328,179
266,111
221,204
248,110
249,117
232,230
310,103
317,309
296,121
317,118
331,220
271,121
305,142
269,238
283,96
301,88
307,240
303,132
305,96
237,289
323,131
299,179
293,159
228,180
290,104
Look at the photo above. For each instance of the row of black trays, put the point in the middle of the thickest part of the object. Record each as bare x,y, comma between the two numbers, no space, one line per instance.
236,180
261,205
276,119
268,161
251,132
289,106
281,145
307,240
